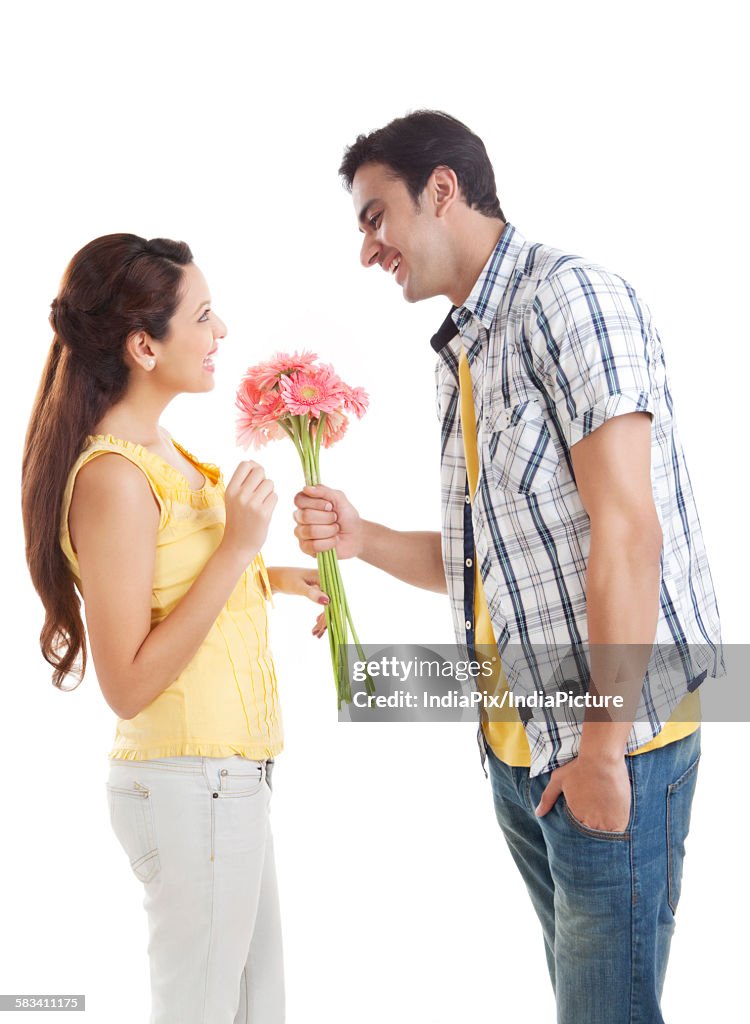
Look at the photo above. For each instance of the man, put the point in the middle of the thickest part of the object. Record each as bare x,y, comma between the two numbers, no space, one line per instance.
568,520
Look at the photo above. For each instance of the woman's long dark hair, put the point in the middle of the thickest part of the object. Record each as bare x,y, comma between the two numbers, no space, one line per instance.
114,286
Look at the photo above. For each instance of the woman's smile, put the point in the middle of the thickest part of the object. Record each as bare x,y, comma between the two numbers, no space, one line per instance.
208,363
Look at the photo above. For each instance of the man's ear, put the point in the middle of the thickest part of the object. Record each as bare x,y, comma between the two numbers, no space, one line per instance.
443,189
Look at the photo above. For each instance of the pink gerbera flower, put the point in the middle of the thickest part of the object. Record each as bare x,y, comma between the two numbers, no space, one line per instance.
356,400
312,392
334,428
268,374
259,415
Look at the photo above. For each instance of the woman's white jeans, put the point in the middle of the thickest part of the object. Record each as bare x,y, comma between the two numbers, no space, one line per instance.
197,834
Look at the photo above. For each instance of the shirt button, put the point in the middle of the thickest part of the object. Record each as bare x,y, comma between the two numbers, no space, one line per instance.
469,563
468,625
467,499
223,771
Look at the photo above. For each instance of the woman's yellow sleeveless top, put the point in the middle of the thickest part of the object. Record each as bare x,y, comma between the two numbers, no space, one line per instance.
225,701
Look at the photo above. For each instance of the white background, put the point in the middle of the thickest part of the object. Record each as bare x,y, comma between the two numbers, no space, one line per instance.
616,132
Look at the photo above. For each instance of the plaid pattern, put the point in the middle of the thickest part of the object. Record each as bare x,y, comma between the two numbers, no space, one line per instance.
556,346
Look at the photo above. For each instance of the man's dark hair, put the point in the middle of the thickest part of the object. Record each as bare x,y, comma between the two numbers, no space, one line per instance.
413,146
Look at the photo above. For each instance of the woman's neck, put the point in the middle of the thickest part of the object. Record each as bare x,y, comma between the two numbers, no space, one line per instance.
135,418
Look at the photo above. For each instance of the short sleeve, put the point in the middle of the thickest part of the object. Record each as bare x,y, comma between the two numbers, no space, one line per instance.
592,338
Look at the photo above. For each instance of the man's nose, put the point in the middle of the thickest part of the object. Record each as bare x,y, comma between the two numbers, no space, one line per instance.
369,254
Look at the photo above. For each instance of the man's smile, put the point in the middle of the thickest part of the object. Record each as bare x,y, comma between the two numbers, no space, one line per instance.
391,266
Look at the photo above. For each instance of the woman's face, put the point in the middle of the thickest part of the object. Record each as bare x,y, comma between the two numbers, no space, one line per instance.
185,358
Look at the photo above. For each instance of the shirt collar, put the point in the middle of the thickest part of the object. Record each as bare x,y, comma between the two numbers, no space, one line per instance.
445,332
488,290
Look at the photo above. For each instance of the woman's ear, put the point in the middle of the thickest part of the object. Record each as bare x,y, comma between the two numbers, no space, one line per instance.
139,351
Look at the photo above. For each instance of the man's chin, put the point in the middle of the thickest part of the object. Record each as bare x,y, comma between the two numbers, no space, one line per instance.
417,294
411,294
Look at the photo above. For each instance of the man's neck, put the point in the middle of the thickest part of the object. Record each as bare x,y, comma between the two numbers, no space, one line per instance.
478,238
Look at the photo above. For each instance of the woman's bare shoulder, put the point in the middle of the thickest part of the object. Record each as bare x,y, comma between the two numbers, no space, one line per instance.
110,488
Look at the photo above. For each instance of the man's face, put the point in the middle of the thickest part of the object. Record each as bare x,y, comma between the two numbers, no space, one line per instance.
398,236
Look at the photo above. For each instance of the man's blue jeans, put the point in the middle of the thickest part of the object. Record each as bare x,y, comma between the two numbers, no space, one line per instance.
606,900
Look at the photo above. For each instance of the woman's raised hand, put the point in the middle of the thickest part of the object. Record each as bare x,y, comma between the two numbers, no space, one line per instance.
250,500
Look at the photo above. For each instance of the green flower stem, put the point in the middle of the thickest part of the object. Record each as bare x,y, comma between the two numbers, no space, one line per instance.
342,605
369,685
318,438
333,578
358,645
337,612
334,619
290,427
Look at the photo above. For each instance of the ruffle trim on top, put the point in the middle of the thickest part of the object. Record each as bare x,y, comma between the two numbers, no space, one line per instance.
173,481
255,752
209,470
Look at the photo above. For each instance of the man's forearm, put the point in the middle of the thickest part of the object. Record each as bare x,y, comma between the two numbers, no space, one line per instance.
412,556
622,597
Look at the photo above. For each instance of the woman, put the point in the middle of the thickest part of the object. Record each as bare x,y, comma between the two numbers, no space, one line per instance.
168,562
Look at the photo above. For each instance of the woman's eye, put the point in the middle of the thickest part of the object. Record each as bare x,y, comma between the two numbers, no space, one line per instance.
204,317
374,221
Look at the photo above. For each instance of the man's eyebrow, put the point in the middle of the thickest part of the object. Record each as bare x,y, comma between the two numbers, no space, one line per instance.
206,302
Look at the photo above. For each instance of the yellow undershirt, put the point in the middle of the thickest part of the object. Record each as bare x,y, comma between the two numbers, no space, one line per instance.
505,733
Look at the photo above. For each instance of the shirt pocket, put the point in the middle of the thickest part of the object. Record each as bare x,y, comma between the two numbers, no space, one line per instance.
522,453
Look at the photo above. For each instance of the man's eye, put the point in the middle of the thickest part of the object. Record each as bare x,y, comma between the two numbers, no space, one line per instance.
374,221
204,317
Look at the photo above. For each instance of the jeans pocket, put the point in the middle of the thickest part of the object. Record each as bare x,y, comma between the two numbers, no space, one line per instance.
132,818
679,802
593,833
243,778
606,834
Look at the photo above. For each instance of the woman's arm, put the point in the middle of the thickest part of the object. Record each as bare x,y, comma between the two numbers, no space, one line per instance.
291,579
113,525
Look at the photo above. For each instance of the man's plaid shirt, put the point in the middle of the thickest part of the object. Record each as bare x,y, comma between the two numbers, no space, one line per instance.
556,346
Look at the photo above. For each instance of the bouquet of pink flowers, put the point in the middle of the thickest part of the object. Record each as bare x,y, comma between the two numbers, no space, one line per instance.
298,397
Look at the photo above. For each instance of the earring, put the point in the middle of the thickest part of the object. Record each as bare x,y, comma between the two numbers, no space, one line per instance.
151,364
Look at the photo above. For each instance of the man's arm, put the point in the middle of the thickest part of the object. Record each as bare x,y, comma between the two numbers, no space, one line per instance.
327,519
612,470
